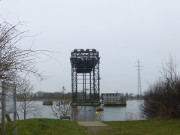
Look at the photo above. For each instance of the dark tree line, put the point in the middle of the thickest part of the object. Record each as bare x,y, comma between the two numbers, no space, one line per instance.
55,95
49,95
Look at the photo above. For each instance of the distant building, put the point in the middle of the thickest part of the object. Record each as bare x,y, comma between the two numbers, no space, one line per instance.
113,99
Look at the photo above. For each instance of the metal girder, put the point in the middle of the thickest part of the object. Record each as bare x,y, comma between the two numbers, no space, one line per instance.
85,76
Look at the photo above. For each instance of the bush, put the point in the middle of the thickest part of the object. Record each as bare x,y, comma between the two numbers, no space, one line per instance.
99,109
163,97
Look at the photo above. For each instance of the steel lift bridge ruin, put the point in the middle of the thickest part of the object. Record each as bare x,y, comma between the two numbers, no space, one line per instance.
85,77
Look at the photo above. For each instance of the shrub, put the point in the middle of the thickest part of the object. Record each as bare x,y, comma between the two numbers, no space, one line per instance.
163,98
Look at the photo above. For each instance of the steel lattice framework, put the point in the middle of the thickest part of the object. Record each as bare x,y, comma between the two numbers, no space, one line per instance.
85,77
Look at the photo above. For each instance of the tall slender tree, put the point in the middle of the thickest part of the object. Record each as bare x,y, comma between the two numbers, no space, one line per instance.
26,105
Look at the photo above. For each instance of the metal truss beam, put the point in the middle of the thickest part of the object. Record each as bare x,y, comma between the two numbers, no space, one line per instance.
85,75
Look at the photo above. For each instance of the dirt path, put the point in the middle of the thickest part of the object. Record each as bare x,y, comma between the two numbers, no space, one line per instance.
94,126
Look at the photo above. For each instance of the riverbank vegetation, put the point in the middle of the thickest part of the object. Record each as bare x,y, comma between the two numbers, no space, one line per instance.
163,97
65,127
99,109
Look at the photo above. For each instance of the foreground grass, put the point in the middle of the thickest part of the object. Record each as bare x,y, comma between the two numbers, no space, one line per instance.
144,127
47,127
63,127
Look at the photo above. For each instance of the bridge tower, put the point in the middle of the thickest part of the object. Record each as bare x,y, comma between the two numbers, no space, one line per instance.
85,77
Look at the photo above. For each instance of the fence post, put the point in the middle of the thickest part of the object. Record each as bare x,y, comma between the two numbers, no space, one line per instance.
3,108
15,111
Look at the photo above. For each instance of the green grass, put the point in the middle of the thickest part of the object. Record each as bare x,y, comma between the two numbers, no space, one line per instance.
47,127
64,127
143,127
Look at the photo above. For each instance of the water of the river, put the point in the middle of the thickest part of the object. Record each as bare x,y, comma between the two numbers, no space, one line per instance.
111,113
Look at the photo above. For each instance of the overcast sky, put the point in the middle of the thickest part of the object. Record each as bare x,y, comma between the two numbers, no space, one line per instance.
123,31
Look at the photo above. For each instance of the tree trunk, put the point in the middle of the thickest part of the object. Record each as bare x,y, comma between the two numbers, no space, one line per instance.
25,110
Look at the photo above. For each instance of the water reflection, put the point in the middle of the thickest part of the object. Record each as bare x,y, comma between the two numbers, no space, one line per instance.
87,113
112,113
118,113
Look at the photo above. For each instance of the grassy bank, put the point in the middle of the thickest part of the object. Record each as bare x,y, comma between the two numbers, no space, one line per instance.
144,127
64,127
47,127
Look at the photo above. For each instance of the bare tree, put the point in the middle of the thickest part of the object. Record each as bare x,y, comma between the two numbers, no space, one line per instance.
62,106
26,105
15,61
169,71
